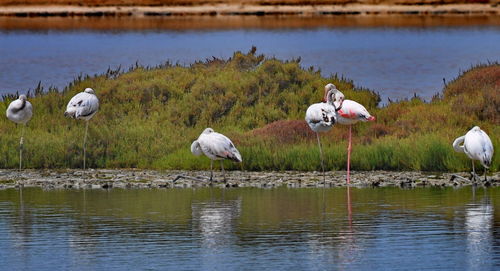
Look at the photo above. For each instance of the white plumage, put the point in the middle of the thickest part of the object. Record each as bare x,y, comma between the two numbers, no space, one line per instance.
20,111
322,116
476,144
215,146
83,105
352,112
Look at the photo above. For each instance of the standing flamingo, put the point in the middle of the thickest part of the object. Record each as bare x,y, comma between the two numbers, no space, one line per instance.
322,116
83,106
349,113
477,145
216,147
20,112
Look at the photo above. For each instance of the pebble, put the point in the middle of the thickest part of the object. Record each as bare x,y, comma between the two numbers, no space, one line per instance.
135,178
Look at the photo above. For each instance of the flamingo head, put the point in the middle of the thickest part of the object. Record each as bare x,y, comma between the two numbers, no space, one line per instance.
22,97
208,131
329,87
89,90
371,118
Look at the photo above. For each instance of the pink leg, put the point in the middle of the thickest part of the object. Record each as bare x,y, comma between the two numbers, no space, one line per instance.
349,208
349,157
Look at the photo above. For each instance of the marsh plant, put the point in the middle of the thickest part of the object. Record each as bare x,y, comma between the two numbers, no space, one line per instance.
150,115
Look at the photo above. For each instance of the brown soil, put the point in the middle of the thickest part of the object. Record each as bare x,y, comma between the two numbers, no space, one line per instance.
100,3
248,8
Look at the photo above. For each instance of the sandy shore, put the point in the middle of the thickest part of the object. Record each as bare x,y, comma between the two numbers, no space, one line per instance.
120,178
237,9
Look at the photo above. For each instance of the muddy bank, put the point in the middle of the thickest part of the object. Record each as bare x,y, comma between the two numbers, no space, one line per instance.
228,9
238,22
119,178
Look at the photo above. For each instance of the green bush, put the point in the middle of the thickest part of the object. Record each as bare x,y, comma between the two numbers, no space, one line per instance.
149,117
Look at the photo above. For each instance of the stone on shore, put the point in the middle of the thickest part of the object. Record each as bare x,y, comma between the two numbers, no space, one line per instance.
134,178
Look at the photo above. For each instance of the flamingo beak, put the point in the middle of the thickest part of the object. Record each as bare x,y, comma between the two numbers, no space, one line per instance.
371,118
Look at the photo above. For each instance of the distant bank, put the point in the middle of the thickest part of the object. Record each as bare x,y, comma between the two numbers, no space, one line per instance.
66,9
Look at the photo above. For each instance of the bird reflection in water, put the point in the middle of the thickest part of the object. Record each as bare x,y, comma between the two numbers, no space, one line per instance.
349,249
479,228
22,229
215,222
337,243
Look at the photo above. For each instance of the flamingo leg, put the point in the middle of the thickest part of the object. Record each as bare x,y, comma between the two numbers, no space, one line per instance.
473,173
485,179
321,157
223,172
349,147
85,143
21,144
211,170
349,208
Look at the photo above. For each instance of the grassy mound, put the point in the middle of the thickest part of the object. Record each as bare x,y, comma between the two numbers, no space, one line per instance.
149,117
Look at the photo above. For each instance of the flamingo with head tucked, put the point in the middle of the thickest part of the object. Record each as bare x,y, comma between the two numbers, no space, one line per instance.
83,106
476,144
215,146
322,116
20,111
350,112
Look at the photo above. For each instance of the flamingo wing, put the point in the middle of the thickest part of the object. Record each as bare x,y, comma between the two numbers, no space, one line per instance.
84,104
19,111
320,117
478,146
218,146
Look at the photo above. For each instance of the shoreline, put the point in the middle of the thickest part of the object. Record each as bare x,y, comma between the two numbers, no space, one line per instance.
246,10
147,179
183,23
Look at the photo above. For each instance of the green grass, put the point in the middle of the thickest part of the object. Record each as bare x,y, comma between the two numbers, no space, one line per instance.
149,117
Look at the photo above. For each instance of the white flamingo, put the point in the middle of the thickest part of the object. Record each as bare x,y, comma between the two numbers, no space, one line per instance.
20,111
322,116
349,113
216,147
476,144
83,106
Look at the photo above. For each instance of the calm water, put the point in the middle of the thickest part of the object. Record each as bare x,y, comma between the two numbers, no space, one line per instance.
394,61
250,229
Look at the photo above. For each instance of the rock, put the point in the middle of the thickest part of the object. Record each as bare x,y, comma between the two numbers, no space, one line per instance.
124,178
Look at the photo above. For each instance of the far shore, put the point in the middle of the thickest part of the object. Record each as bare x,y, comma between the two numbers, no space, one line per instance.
146,179
228,9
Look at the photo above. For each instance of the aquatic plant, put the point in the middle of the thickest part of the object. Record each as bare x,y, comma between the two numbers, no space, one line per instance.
150,115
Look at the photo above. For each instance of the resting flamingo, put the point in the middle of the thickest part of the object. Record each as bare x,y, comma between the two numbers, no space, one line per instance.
216,147
349,113
476,144
83,106
322,116
20,111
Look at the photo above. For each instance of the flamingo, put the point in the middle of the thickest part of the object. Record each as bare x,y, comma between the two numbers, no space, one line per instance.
83,106
476,144
216,147
20,111
322,116
349,113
